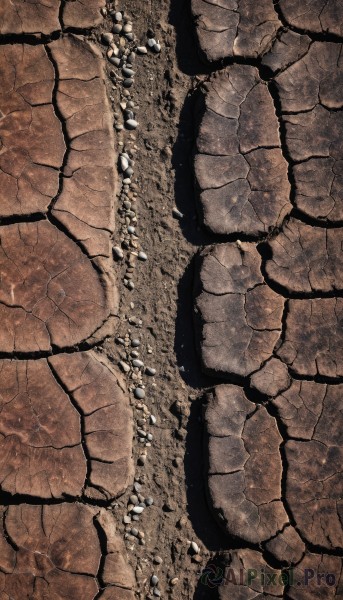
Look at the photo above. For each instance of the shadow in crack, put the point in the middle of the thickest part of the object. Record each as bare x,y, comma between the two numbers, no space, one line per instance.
189,61
184,186
182,160
210,579
203,522
201,517
185,347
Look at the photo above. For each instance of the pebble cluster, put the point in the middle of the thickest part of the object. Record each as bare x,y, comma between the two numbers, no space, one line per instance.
121,51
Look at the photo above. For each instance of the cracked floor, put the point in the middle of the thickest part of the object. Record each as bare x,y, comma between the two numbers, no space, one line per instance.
268,309
240,305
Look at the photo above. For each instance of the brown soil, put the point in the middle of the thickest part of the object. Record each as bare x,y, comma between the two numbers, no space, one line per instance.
165,89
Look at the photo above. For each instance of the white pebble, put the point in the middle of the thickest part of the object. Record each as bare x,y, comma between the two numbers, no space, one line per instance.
195,547
131,124
137,363
107,38
137,510
177,214
124,163
142,256
118,252
153,420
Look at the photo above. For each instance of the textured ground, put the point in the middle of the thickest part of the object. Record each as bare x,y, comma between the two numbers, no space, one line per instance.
66,421
261,122
268,310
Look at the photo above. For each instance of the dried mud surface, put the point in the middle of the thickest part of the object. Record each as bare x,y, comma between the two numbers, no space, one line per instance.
268,312
259,228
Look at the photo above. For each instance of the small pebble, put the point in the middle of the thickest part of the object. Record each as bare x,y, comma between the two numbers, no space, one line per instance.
150,437
131,124
174,581
142,460
139,393
134,354
154,580
124,163
118,253
135,342
177,214
127,28
118,17
124,366
134,531
149,501
158,560
127,72
137,487
142,256
127,519
151,42
137,510
115,50
137,363
195,547
157,592
141,50
157,48
141,432
131,229
107,37
127,83
150,371
133,499
117,28
129,172
114,60
103,11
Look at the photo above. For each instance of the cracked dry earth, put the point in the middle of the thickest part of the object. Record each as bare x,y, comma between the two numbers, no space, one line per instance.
66,420
268,294
237,197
